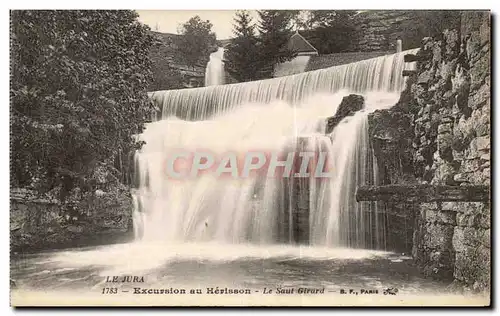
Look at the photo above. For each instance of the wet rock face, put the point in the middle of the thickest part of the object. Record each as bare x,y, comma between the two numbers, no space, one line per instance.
391,137
349,105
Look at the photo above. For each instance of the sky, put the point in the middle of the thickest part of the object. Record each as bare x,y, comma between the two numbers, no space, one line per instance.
169,21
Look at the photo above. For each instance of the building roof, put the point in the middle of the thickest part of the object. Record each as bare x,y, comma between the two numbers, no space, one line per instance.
299,44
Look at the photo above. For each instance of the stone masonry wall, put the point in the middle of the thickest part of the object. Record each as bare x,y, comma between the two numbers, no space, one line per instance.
452,147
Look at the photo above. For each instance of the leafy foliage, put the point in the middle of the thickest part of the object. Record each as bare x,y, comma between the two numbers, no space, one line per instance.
241,57
300,19
331,31
197,42
78,95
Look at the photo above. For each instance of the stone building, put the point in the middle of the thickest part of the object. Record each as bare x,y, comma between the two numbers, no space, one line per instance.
304,49
299,44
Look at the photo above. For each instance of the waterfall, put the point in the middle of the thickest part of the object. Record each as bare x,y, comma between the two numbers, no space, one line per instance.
275,116
214,73
376,74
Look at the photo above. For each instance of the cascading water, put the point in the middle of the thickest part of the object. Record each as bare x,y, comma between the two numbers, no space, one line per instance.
376,74
214,73
271,116
239,235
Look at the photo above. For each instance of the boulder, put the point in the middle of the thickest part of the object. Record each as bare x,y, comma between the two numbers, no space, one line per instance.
349,105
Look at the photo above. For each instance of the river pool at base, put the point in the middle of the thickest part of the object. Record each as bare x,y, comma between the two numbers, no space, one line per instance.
260,275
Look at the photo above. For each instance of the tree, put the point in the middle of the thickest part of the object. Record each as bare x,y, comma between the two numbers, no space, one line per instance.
301,19
78,96
326,18
241,56
275,28
197,42
331,31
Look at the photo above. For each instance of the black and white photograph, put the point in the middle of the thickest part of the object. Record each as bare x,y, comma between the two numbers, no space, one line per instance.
235,158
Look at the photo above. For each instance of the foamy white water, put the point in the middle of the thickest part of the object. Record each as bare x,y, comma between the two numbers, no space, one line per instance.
269,115
141,257
214,73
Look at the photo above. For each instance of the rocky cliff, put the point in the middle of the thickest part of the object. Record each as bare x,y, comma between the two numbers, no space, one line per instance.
378,29
102,215
439,133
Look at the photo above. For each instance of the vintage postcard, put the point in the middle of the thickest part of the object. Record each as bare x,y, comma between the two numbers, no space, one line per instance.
250,158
